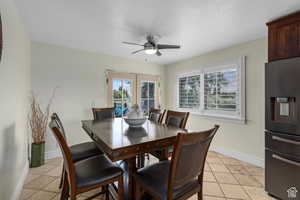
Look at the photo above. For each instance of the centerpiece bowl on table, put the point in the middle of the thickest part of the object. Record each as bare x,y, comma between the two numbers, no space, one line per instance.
135,117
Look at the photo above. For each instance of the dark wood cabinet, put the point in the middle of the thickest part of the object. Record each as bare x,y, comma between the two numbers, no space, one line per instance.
284,37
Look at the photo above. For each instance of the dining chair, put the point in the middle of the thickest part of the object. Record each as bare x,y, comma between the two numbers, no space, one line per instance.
78,151
182,176
88,174
156,115
176,119
103,113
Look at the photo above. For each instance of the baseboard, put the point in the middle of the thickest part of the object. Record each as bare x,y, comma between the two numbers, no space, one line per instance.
18,190
259,162
52,154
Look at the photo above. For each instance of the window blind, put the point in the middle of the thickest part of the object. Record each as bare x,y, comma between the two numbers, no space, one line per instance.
221,90
189,92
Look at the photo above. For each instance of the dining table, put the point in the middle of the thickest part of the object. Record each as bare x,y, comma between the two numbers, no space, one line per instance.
120,142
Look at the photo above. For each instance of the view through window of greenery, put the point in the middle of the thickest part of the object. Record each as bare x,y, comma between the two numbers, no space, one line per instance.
122,96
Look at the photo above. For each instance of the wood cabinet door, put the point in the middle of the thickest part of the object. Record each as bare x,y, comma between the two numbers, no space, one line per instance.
284,38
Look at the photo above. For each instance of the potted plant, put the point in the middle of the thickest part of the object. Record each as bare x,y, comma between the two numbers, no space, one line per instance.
38,121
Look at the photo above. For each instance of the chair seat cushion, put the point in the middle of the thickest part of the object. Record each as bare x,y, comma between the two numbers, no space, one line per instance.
155,179
84,150
95,170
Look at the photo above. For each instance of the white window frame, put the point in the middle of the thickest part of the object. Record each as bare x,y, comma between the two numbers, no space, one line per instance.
238,116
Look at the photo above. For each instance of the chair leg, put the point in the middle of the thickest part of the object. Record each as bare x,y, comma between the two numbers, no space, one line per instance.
137,192
106,193
200,196
62,177
65,191
121,188
200,193
140,161
73,198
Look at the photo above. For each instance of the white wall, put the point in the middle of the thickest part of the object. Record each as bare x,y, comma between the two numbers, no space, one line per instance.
244,141
80,77
14,90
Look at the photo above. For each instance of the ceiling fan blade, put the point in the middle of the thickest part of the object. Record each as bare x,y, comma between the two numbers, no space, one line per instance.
137,51
167,46
158,53
132,43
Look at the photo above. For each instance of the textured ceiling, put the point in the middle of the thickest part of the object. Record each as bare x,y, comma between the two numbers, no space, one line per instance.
198,26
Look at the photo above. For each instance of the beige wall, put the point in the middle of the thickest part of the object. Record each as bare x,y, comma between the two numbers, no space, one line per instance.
80,77
81,81
244,141
14,90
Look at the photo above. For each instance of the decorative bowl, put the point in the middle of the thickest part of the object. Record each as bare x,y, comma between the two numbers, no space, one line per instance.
135,122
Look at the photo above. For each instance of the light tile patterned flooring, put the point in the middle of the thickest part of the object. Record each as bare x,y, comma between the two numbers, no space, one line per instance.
225,178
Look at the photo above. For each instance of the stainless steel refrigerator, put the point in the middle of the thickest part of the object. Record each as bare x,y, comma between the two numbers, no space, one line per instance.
282,135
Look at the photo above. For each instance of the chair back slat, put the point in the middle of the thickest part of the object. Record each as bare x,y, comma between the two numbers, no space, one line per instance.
189,156
103,113
68,163
177,119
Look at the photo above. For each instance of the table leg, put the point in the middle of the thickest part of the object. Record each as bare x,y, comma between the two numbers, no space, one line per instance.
131,170
141,160
164,154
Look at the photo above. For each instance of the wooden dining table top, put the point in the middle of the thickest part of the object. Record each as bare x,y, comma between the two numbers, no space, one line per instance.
119,141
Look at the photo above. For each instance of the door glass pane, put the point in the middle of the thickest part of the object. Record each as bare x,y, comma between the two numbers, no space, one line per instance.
144,105
147,100
127,96
151,103
151,90
122,96
144,90
117,97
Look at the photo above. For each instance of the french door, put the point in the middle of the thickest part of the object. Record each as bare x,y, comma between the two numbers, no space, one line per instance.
125,89
148,92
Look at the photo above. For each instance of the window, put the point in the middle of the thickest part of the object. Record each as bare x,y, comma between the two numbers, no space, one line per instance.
126,89
214,91
189,91
220,90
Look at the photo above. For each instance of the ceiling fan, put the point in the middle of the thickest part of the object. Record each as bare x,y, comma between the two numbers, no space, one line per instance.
151,47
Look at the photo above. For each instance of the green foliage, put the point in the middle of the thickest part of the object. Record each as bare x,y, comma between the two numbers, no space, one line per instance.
117,94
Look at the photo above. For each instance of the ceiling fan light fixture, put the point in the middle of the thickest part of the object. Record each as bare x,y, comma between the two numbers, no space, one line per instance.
151,47
150,51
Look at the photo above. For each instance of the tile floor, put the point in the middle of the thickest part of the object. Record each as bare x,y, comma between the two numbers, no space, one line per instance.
225,178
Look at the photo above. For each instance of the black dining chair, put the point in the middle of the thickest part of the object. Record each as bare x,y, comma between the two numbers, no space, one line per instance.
182,176
156,115
88,174
78,151
103,113
175,119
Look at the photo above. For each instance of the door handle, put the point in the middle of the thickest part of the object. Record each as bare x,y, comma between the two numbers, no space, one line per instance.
285,140
286,160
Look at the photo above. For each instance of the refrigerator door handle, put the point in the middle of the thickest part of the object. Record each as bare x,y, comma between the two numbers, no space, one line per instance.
285,160
285,140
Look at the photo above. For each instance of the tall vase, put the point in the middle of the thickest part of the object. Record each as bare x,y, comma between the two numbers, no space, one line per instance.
37,154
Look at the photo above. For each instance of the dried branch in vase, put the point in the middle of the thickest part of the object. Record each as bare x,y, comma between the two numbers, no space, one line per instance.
38,118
